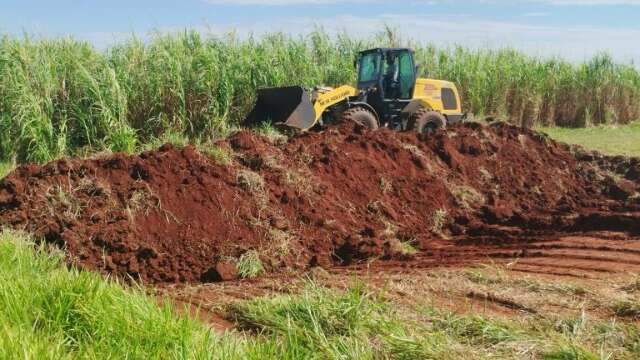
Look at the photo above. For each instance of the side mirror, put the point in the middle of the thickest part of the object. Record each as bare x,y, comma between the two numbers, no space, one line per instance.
417,70
355,62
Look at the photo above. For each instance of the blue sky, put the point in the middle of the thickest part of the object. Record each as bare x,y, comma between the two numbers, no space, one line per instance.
574,29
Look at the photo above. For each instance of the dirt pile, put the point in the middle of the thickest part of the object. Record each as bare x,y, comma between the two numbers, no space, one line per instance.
329,198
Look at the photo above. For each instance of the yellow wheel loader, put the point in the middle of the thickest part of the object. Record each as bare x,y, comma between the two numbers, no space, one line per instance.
388,94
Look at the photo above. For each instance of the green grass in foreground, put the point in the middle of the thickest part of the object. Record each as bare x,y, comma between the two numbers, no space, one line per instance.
49,311
613,140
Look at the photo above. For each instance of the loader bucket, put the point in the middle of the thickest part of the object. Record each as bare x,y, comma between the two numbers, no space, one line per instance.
284,106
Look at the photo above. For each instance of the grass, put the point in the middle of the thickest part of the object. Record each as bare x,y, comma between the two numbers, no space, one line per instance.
405,248
362,324
64,202
52,311
249,265
627,308
61,97
141,201
467,197
270,132
250,181
218,154
6,168
438,220
49,311
610,139
322,324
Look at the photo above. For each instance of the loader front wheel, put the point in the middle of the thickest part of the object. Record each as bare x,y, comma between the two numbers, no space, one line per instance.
427,121
360,116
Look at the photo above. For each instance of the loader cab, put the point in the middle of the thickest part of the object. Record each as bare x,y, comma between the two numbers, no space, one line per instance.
388,77
390,71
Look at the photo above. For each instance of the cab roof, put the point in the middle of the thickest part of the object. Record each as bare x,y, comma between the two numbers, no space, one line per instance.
386,50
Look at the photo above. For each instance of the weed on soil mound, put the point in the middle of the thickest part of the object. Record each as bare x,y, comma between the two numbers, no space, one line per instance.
335,197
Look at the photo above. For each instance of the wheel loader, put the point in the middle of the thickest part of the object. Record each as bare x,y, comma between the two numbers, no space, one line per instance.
388,94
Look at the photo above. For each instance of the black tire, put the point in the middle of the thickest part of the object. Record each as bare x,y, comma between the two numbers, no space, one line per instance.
426,121
361,116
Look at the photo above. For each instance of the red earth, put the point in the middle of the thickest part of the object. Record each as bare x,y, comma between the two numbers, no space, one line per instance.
344,196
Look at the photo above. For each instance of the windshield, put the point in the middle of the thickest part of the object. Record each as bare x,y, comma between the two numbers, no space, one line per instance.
369,67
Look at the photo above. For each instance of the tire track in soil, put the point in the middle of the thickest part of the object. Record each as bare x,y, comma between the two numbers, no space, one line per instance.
578,255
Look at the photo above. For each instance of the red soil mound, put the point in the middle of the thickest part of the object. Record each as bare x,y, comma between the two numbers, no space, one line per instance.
328,198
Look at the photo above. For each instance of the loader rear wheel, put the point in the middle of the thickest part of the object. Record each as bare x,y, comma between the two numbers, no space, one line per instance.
361,116
426,121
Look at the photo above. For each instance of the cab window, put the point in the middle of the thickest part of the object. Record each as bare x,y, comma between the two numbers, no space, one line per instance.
407,76
369,67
